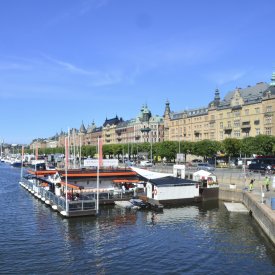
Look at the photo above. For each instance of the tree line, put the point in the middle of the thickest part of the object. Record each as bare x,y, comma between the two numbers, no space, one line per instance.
230,147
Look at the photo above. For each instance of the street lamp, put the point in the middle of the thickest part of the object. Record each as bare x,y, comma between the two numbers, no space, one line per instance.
148,131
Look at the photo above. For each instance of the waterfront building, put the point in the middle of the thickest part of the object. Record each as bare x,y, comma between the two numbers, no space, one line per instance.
109,130
242,113
92,135
42,143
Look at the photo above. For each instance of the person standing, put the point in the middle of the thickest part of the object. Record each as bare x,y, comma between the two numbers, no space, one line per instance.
251,184
267,183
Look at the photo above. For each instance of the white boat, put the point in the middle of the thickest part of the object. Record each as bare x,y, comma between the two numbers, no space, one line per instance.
126,204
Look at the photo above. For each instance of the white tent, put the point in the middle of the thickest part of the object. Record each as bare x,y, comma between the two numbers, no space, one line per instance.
203,175
150,174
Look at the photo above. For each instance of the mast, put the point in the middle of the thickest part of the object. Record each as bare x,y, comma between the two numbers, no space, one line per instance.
22,157
80,144
97,177
66,170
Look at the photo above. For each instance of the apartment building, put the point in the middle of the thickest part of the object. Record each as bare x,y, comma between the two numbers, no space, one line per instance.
242,113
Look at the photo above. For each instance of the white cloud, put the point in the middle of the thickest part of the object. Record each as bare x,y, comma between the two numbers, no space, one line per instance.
225,77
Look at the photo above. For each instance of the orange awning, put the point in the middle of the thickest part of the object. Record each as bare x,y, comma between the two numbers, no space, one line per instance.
70,185
125,180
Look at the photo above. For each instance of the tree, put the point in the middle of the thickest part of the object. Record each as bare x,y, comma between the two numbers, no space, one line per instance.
265,144
247,146
167,149
231,146
206,148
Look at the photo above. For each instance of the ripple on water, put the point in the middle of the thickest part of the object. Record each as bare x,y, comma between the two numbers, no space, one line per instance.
195,239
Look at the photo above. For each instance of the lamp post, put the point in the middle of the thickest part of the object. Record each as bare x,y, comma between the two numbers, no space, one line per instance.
151,146
147,130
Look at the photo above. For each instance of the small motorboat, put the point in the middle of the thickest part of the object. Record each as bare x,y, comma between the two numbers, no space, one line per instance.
140,203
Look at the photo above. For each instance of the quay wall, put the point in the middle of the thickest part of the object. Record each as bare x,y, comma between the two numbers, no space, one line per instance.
261,212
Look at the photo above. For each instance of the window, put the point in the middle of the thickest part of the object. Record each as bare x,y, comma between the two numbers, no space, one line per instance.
221,125
228,115
268,119
258,132
237,134
246,112
268,131
257,110
237,123
269,108
221,116
236,113
229,124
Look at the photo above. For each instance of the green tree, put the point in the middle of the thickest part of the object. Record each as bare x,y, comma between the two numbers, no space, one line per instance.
265,144
206,148
168,149
231,146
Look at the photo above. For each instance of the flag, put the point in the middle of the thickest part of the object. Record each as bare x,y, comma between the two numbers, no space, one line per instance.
66,152
22,153
36,152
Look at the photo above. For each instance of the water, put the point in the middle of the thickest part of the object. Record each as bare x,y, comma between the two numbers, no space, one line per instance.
197,239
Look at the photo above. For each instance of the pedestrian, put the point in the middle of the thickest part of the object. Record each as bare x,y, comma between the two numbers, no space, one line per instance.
251,184
267,182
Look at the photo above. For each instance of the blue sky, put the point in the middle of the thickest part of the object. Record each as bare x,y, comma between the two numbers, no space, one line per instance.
63,61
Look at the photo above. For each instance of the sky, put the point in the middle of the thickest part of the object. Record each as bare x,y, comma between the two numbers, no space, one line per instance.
67,61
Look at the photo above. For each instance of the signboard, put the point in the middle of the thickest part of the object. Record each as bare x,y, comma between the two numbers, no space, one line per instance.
180,157
105,162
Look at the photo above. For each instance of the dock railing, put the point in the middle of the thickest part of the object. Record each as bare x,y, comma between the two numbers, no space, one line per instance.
50,198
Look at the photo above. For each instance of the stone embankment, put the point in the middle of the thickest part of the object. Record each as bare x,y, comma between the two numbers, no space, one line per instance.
234,188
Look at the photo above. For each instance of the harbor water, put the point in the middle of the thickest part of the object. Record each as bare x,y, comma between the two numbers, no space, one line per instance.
195,239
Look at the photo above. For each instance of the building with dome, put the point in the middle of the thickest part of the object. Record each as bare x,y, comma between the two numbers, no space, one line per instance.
244,112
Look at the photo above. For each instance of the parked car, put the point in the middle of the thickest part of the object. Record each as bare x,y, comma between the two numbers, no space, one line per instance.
205,166
146,163
196,161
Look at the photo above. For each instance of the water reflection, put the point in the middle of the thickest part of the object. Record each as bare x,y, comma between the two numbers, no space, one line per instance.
194,239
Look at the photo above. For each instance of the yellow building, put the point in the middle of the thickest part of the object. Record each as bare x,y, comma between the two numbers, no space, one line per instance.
242,113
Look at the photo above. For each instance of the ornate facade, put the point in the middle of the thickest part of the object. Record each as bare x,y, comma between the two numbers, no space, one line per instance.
242,113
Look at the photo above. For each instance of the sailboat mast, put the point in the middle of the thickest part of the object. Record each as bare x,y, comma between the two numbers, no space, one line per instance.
66,170
22,161
97,177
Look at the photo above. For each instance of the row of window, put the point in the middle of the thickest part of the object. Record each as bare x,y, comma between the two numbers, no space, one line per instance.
236,113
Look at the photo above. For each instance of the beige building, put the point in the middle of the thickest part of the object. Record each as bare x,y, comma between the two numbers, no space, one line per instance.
242,113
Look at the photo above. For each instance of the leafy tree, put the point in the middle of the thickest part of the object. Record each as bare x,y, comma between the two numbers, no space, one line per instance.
168,149
247,146
206,148
265,144
231,146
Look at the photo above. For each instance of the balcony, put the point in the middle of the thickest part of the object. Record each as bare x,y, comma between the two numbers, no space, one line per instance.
145,130
197,133
228,129
246,125
268,114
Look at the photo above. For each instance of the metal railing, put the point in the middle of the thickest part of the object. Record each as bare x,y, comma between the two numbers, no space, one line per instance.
59,201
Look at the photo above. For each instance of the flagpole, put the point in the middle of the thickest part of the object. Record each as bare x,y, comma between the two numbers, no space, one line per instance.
66,171
22,157
97,178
